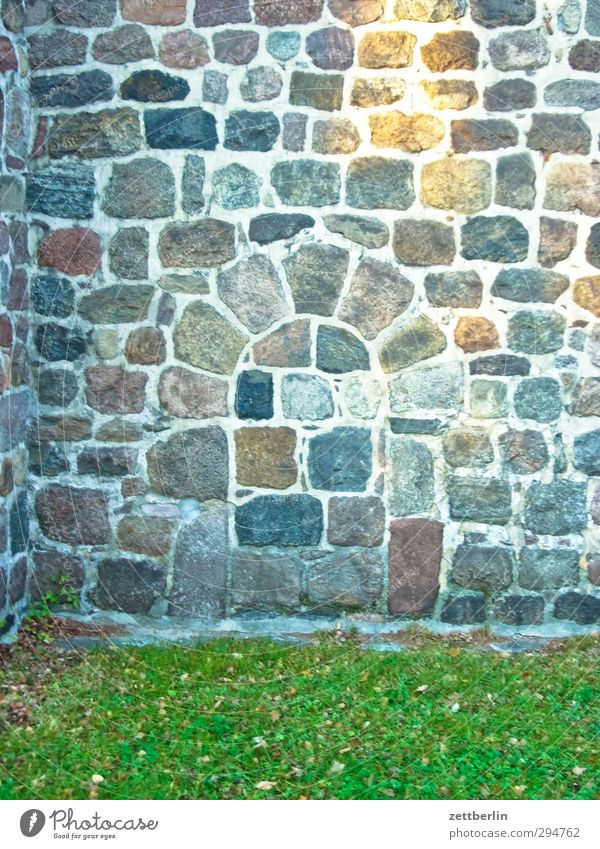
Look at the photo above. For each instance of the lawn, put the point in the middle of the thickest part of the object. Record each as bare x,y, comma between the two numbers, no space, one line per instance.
258,719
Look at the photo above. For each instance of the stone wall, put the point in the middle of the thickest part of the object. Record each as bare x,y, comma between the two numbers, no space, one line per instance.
313,316
14,268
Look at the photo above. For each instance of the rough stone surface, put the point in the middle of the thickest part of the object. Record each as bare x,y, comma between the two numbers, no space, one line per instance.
306,397
454,289
366,231
415,555
110,389
116,304
430,387
303,182
509,94
288,520
340,460
345,581
315,274
467,609
143,188
494,239
108,132
184,49
556,508
190,464
320,91
573,186
254,395
357,14
386,49
376,91
414,340
520,50
199,565
378,294
452,50
536,331
486,500
538,398
264,457
266,580
73,515
354,520
515,181
582,608
586,452
583,94
376,182
450,94
177,129
422,242
548,569
275,227
186,394
253,292
530,285
335,136
206,243
468,446
412,133
464,185
412,479
288,346
474,333
557,240
482,567
502,13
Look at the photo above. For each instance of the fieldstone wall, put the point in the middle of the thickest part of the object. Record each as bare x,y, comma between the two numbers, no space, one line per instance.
14,327
313,307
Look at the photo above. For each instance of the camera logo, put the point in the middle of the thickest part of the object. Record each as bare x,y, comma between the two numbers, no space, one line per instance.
32,822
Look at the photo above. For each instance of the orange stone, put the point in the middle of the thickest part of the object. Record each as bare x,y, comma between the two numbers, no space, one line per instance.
386,50
586,293
474,333
412,133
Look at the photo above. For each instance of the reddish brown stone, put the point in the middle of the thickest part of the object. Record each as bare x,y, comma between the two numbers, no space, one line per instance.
288,347
274,13
73,250
415,556
51,568
357,12
146,346
72,515
131,487
8,57
110,389
145,535
164,13
189,395
184,49
61,428
6,331
18,291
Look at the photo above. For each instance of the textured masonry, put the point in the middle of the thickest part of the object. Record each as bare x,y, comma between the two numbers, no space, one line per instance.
313,290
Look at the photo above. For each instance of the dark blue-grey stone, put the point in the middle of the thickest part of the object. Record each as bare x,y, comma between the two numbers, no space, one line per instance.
56,386
502,13
422,426
515,181
501,238
154,86
584,94
307,182
538,398
530,285
339,351
341,460
378,182
67,191
548,569
482,567
280,520
47,459
586,452
18,523
72,90
464,609
176,129
254,395
245,130
583,608
555,508
55,342
115,461
51,295
132,586
592,248
520,609
486,500
274,227
536,331
500,365
552,133
509,96
454,289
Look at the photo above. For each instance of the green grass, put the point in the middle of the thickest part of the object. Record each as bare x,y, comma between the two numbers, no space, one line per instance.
323,721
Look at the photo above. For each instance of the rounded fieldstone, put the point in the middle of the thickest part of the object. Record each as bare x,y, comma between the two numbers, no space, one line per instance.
146,346
357,14
207,340
520,50
283,45
183,49
331,49
585,56
584,94
452,50
263,83
536,331
128,43
523,451
339,351
306,397
253,292
236,187
187,395
454,289
538,398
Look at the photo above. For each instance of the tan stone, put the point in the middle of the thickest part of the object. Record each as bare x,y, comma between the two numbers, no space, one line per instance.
413,133
107,344
336,135
586,293
357,12
450,94
464,185
474,333
386,49
163,13
146,346
265,457
574,185
452,50
431,11
376,91
145,535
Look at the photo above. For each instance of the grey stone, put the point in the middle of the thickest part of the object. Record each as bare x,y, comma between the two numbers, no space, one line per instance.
586,452
106,462
206,14
569,17
192,184
414,340
515,181
319,91
275,227
552,133
520,609
142,188
523,451
468,446
339,351
263,83
520,50
52,295
331,48
454,289
584,94
538,398
592,18
214,87
432,387
356,520
180,129
369,232
207,340
49,570
556,508
294,520
190,464
486,500
548,569
500,365
128,252
245,130
490,134
306,397
502,13
253,292
362,396
377,182
56,386
536,331
316,275
293,136
378,294
345,581
592,250
509,95
306,182
488,399
266,580
411,481
132,586
464,609
56,342
422,427
488,568
56,49
128,43
66,90
116,304
341,459
235,46
200,565
494,239
206,242
530,284
421,242
236,187
283,45
583,608
67,191
586,397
